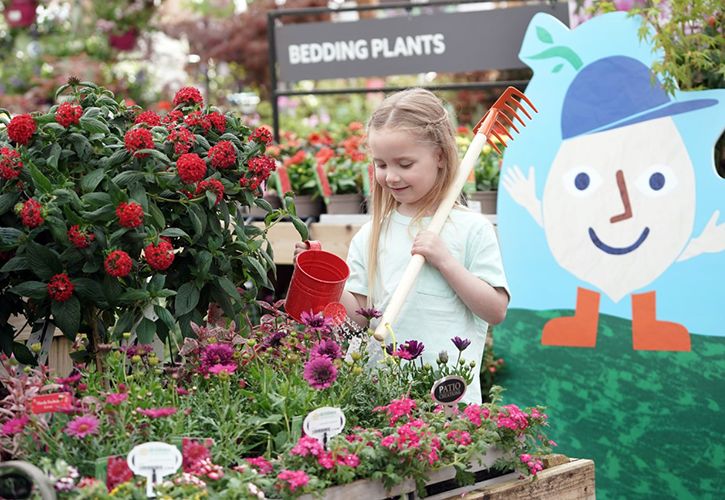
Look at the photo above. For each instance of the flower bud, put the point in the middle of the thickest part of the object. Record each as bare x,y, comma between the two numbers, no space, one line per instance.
356,356
153,361
126,335
472,363
36,348
135,358
357,370
443,357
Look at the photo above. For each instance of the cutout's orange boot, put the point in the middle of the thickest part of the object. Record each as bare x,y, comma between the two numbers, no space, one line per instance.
579,330
650,334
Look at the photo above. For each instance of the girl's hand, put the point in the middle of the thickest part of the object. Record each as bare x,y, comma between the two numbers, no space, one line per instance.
300,247
431,247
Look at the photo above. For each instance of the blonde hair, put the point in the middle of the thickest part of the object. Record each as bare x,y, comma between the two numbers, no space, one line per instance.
422,114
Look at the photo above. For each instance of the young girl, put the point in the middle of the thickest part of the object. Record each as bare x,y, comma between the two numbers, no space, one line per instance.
462,287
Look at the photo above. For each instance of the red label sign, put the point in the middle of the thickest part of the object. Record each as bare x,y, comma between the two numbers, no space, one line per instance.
324,182
285,185
51,403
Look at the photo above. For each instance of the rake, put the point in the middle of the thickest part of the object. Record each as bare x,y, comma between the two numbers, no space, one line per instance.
495,123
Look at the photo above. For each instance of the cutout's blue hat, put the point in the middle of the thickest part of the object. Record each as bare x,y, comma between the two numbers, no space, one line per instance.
615,92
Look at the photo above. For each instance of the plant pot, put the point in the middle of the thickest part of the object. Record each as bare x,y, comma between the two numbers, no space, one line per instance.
345,204
307,206
124,41
486,200
21,13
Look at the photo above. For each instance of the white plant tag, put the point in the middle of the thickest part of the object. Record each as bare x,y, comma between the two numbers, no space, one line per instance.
154,460
324,423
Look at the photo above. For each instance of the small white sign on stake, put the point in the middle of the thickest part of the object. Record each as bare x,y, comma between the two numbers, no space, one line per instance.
448,391
324,423
154,460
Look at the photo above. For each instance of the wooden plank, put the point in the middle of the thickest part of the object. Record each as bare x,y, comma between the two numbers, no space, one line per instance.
335,238
570,481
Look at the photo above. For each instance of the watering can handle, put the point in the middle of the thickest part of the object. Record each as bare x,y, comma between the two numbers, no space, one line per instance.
313,245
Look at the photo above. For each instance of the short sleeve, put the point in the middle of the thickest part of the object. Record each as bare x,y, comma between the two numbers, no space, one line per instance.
357,262
483,256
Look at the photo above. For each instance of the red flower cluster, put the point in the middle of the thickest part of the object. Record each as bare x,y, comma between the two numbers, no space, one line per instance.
80,238
60,288
191,168
218,120
21,128
149,118
10,164
262,135
193,452
182,139
129,214
30,214
159,257
260,167
222,155
118,264
138,138
213,185
172,118
188,95
68,114
117,472
196,119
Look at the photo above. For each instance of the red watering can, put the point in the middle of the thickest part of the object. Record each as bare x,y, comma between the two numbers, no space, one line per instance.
317,281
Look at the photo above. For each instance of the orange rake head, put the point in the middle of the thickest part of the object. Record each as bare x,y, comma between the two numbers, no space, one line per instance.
496,122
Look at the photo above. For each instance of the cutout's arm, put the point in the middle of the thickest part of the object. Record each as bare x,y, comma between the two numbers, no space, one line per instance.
523,191
711,240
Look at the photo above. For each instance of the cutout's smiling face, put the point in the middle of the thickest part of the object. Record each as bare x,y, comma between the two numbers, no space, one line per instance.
618,208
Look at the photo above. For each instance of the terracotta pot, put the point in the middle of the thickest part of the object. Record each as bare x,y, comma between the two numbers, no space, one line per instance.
21,13
345,204
124,41
307,206
486,199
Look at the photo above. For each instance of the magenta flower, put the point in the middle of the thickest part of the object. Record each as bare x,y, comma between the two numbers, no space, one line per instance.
328,348
261,464
410,350
82,426
461,344
316,323
294,478
157,412
216,354
369,313
116,398
320,373
223,369
14,426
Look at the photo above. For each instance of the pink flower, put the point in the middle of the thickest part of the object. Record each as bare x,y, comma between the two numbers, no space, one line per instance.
462,438
216,354
116,398
398,408
475,414
117,472
325,460
14,426
157,412
328,348
261,464
307,446
82,426
320,373
348,459
316,323
511,417
294,478
219,369
193,452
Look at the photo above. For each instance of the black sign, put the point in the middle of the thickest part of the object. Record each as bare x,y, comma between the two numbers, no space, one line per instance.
449,389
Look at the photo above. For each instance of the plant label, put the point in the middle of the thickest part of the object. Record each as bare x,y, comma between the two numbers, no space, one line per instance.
51,403
154,460
324,423
448,390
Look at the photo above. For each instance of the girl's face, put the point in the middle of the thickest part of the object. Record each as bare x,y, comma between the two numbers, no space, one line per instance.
404,166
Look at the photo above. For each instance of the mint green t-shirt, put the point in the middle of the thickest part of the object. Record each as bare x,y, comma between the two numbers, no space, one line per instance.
433,314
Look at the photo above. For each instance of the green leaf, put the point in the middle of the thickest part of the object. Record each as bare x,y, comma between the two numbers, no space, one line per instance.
187,298
118,157
9,236
261,271
145,331
55,151
44,262
134,295
543,35
124,324
263,204
165,316
195,222
81,145
301,227
127,177
33,289
91,112
175,232
23,354
17,263
157,217
41,182
88,289
155,153
228,287
93,125
7,201
90,181
67,315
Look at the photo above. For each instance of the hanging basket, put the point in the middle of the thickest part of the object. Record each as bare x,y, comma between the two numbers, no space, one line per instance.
21,13
123,42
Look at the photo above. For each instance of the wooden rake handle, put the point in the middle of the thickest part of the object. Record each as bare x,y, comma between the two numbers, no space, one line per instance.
488,124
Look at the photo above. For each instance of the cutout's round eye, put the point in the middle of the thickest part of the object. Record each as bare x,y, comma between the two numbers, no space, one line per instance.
581,181
656,180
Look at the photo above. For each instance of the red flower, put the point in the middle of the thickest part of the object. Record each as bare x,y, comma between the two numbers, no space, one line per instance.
188,95
10,164
160,256
261,135
222,155
30,214
149,118
213,185
260,167
193,451
129,214
68,114
21,128
79,238
117,472
60,288
196,119
173,117
191,168
118,264
138,138
218,120
182,139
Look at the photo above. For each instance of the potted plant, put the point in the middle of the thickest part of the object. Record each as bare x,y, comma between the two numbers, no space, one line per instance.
123,20
483,187
298,175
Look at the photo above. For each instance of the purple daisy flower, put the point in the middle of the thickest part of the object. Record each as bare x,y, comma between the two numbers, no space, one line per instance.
410,350
216,354
328,348
369,312
320,373
316,323
274,340
460,343
82,426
